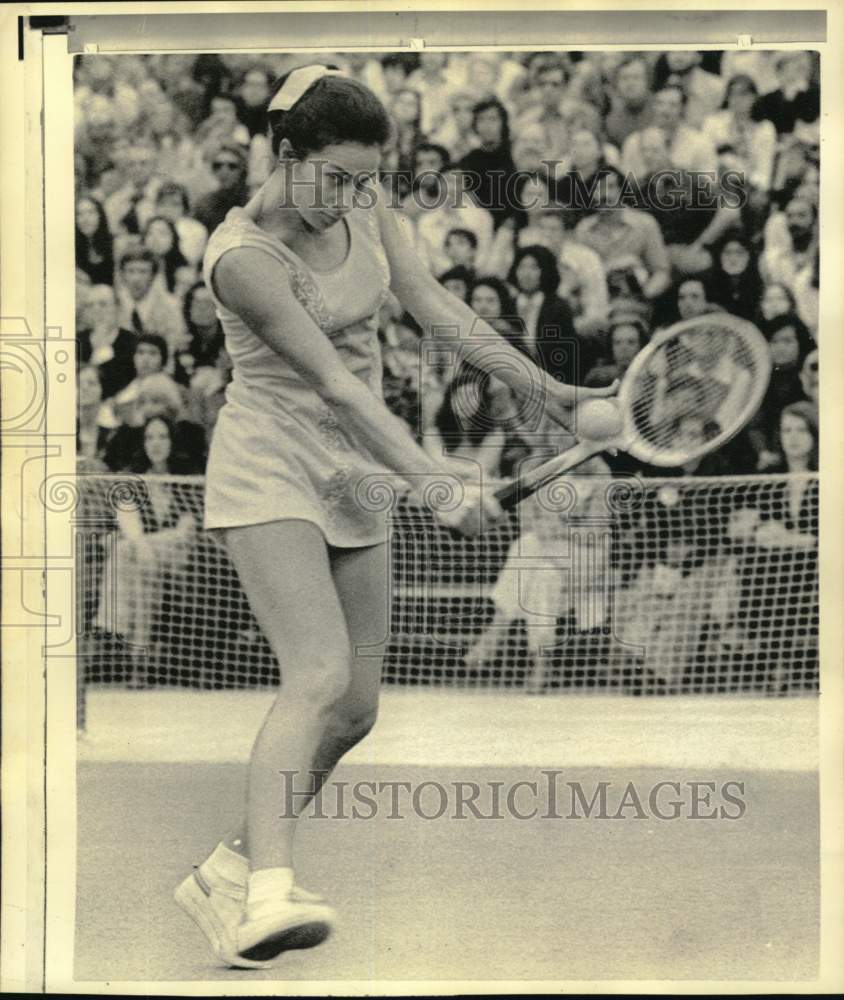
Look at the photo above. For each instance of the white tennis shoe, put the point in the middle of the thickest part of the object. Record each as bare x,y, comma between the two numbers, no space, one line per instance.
219,909
281,925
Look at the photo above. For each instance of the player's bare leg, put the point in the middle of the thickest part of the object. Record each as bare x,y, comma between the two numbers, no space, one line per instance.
285,571
360,577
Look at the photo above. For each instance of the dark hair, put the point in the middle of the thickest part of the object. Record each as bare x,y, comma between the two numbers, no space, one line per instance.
139,254
805,341
638,325
176,462
702,279
508,307
237,151
204,350
434,147
458,273
807,412
333,109
493,102
738,297
95,253
744,80
174,258
806,201
549,271
171,188
396,59
466,234
159,343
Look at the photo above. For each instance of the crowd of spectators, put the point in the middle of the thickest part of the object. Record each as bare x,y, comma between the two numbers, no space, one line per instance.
530,182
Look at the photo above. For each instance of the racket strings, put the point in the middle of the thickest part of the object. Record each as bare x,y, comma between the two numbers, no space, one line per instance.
695,388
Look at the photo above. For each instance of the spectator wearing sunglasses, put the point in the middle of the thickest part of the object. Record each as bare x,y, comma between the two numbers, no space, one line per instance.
229,166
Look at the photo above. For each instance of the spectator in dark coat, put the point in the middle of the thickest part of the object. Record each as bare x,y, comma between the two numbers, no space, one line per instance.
103,343
735,283
549,331
229,166
94,242
491,165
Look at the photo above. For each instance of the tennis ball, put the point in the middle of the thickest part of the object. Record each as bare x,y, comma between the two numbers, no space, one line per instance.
597,419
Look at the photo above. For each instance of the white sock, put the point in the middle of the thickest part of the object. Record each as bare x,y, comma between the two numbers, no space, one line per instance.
226,869
267,888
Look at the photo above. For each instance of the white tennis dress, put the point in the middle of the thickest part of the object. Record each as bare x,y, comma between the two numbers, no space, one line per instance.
278,451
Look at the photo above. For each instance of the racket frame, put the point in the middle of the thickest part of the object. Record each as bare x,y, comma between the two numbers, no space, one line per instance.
629,439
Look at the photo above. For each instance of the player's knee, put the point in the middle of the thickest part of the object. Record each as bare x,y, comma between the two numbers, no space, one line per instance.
324,678
357,724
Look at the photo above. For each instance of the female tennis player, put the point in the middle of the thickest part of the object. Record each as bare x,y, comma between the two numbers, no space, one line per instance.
298,277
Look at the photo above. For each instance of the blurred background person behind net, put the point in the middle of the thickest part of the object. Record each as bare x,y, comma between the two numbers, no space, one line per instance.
776,533
789,342
157,395
544,597
153,543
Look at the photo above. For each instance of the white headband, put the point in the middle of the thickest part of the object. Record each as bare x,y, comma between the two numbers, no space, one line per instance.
297,83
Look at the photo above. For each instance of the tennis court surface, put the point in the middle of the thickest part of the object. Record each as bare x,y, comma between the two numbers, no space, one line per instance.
161,776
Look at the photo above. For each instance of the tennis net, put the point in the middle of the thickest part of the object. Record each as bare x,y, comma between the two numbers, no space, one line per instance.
649,586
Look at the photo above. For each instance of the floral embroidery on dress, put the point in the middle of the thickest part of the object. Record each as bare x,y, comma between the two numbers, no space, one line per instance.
330,429
309,296
334,491
303,285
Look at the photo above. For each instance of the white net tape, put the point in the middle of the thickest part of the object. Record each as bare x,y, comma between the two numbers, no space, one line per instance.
645,585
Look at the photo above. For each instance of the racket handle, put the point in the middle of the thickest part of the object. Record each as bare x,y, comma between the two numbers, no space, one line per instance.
526,485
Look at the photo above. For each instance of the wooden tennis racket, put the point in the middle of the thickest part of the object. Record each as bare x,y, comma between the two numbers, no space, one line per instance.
710,371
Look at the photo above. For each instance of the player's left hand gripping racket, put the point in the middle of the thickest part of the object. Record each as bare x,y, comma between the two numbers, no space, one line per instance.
713,368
